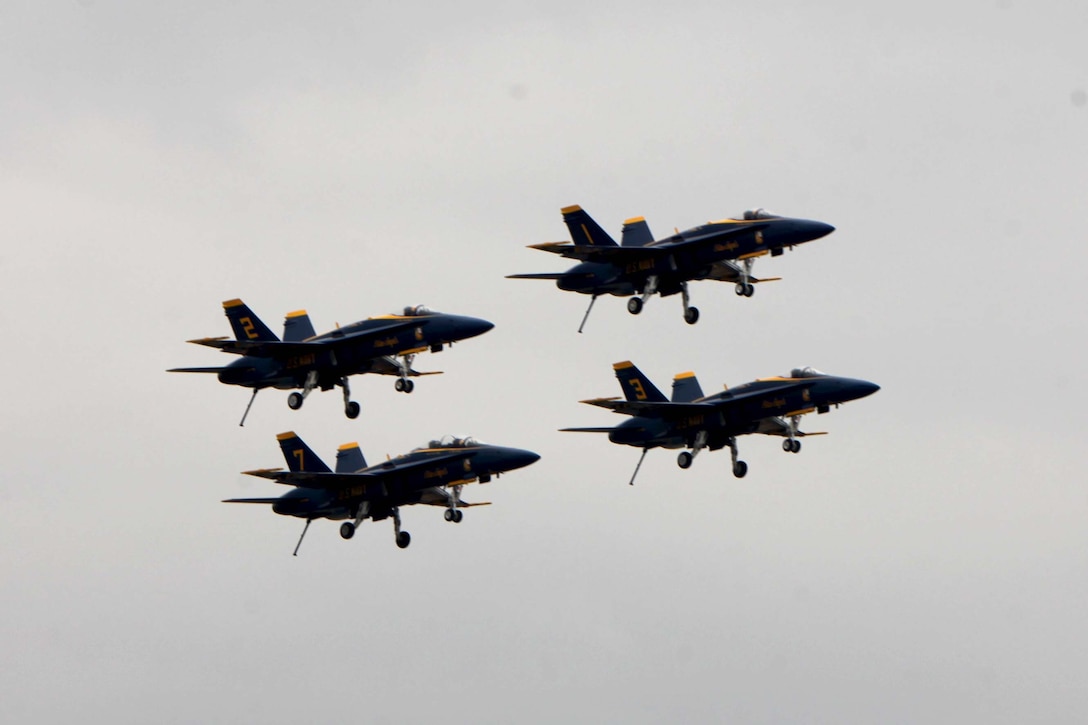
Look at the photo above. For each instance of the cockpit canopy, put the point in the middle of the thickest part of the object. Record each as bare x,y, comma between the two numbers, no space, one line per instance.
754,214
417,311
449,441
807,372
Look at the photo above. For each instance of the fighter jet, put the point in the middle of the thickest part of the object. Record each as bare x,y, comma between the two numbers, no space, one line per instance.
770,406
432,475
385,345
720,250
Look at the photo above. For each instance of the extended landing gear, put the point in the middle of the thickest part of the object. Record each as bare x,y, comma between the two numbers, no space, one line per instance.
635,304
691,314
404,384
740,468
403,538
745,288
351,408
791,444
347,530
294,400
454,515
685,459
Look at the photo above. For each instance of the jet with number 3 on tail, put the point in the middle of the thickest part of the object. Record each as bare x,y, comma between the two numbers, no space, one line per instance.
640,267
431,475
384,345
769,406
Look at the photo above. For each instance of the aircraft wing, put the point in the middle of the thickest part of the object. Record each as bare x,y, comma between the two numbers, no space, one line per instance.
441,496
279,349
388,366
332,481
777,427
663,409
594,253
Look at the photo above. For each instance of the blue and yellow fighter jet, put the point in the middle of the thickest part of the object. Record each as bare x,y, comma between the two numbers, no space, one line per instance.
432,475
385,345
721,250
771,406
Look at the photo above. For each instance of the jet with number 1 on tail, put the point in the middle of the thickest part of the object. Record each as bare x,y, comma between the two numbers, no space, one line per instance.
433,475
768,406
384,345
640,267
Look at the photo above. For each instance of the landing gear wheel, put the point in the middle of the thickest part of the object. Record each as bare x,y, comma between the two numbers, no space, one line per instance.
749,290
787,446
448,515
691,315
634,305
796,447
351,410
403,539
294,401
457,516
347,530
739,469
399,385
739,289
409,386
684,459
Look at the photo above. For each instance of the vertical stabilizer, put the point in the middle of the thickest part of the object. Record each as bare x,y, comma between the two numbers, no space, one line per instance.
298,455
246,325
297,327
636,233
637,386
583,230
349,458
686,388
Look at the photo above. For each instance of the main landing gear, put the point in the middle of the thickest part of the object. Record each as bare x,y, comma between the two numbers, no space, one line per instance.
403,537
635,304
295,399
685,459
740,468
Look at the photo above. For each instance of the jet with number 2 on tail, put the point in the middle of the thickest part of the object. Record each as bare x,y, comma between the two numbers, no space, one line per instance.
770,406
384,345
640,267
431,475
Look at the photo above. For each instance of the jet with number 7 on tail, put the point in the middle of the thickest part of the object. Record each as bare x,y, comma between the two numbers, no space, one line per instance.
640,267
770,406
431,475
385,345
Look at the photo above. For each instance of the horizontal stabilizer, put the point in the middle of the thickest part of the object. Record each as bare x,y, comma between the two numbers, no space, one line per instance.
541,275
196,370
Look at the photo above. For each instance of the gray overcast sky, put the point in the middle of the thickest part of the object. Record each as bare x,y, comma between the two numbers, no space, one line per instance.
923,563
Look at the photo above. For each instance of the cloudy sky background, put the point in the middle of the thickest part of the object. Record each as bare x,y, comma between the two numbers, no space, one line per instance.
924,562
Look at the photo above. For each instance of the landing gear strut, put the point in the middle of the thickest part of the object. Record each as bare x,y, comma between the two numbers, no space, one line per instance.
294,400
791,444
745,288
403,537
685,459
454,514
691,314
739,467
634,305
404,384
351,408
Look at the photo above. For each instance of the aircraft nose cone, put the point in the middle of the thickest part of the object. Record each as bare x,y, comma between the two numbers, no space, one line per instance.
519,458
472,326
820,229
867,388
